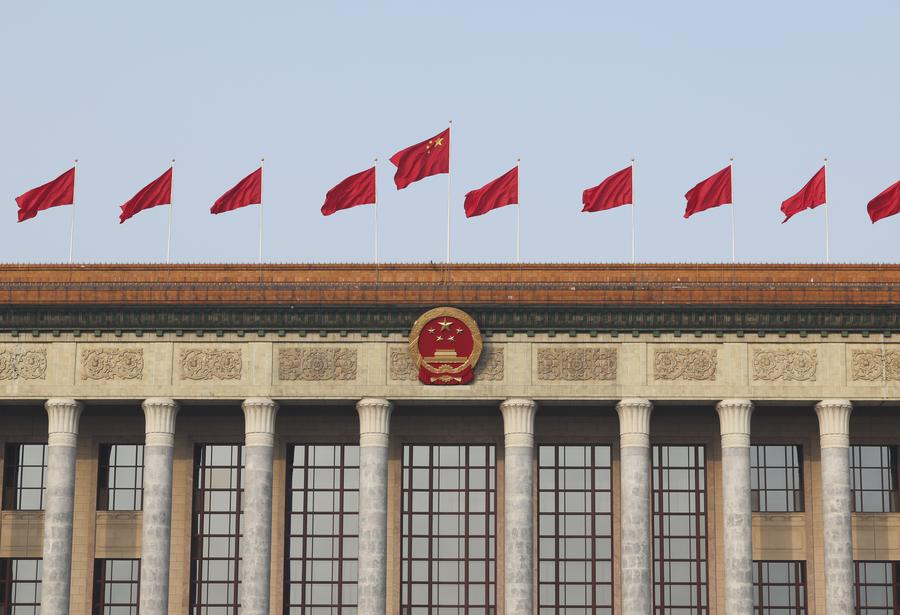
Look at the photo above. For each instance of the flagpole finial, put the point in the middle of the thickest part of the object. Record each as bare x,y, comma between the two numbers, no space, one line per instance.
731,159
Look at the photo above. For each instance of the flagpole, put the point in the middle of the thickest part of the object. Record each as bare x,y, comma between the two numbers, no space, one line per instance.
72,222
376,211
449,191
518,211
632,211
261,173
171,206
732,211
827,255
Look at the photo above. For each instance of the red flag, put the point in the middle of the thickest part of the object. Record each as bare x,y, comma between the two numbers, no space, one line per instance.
502,191
430,157
711,192
810,196
885,204
248,191
60,191
358,189
613,191
157,192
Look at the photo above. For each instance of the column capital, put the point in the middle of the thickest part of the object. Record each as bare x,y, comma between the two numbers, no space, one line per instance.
834,422
518,421
62,421
374,421
159,421
259,421
734,422
634,422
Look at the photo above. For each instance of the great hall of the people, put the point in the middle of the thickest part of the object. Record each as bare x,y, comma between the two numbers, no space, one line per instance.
449,440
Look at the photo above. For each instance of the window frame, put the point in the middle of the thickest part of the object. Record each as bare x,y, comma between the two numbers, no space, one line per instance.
103,468
11,475
7,583
801,591
99,605
894,585
893,493
799,489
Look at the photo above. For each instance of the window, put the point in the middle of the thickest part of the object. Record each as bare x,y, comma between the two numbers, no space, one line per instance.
873,478
574,530
25,477
775,484
20,586
116,586
877,588
322,529
779,588
216,529
679,530
120,483
448,530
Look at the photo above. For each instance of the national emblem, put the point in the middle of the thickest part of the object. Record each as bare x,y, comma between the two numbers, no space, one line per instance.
445,344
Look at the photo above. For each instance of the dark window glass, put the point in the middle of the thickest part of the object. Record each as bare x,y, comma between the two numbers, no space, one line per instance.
20,586
216,529
120,484
116,586
775,483
574,529
448,530
873,478
779,588
679,530
25,477
322,529
877,588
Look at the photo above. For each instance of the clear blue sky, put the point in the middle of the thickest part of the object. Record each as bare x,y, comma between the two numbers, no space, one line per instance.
573,88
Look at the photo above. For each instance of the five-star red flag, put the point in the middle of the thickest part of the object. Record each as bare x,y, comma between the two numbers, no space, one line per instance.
711,192
248,191
430,157
358,189
157,192
613,191
60,191
885,204
502,191
810,196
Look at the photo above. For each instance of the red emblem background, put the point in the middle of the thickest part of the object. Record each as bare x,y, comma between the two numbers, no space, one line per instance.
445,343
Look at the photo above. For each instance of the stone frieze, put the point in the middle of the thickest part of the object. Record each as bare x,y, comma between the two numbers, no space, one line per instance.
317,364
575,364
210,364
17,363
875,364
685,364
112,364
784,364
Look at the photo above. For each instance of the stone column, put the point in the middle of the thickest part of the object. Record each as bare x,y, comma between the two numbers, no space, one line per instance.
734,425
256,543
834,440
635,557
374,430
159,444
518,504
59,504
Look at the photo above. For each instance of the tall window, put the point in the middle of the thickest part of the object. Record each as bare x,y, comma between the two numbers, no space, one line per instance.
873,478
574,530
216,529
448,551
25,477
116,586
779,588
20,586
322,530
877,588
775,483
679,530
120,484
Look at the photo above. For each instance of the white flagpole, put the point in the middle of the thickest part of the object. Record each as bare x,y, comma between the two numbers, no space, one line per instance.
449,192
632,211
732,210
261,178
376,211
518,211
171,206
72,222
827,255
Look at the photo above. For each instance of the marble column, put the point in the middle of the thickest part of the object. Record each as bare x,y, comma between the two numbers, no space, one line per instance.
374,430
518,504
256,543
635,558
59,504
834,441
159,445
734,425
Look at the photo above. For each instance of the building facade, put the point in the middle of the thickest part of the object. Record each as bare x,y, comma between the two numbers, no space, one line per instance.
636,440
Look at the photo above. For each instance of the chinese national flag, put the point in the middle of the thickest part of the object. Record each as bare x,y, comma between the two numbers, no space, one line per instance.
885,204
60,191
613,191
711,192
248,191
430,157
157,192
358,189
502,191
810,196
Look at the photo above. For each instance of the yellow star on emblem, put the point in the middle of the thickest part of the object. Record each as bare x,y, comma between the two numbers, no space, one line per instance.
445,324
